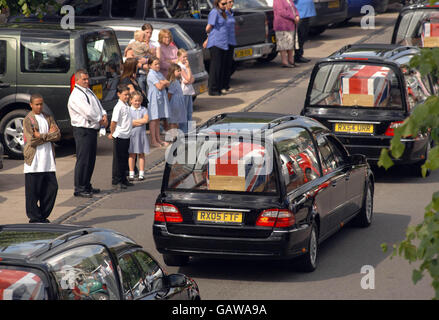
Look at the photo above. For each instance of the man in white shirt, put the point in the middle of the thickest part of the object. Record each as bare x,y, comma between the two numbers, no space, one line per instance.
87,116
120,133
41,186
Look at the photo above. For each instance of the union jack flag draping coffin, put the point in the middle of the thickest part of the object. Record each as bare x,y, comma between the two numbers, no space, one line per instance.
20,285
430,34
237,166
366,86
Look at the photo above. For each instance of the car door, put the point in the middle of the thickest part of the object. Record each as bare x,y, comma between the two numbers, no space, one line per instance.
336,189
8,70
354,178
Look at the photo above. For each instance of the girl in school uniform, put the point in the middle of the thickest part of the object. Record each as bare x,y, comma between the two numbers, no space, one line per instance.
187,79
139,145
177,107
158,101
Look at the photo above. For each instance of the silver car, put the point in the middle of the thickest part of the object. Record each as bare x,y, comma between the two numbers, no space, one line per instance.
125,32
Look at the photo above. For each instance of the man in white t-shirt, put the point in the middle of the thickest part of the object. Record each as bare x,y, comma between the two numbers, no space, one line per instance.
41,186
120,132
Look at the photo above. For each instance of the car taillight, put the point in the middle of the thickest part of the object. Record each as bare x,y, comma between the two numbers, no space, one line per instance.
391,129
165,212
72,83
277,218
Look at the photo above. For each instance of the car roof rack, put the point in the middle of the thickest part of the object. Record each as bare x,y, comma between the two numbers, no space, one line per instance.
280,120
65,237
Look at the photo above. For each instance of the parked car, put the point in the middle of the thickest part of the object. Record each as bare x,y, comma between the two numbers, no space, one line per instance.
259,185
66,262
355,7
415,26
328,12
249,6
250,27
124,30
42,58
363,92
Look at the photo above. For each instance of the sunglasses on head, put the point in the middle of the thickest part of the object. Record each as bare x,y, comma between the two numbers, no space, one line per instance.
223,3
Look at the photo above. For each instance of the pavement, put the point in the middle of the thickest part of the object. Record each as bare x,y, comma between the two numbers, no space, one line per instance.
243,97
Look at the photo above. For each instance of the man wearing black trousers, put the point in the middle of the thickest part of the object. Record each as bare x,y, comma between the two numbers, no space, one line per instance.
87,117
306,11
41,186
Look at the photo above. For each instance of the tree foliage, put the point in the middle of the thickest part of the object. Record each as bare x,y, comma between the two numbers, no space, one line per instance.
422,241
28,7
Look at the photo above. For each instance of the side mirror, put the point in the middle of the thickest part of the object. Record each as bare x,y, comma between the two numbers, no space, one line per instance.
356,159
176,280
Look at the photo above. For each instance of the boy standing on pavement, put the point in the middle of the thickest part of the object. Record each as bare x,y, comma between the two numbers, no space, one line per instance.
40,131
120,128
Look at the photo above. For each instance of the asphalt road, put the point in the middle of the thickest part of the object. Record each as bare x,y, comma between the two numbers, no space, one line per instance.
400,198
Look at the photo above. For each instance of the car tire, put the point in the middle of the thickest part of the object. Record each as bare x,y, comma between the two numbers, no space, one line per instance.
308,261
382,6
364,218
11,133
268,58
173,260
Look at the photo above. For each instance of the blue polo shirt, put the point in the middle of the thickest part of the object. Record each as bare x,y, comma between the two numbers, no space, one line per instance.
230,22
306,8
218,36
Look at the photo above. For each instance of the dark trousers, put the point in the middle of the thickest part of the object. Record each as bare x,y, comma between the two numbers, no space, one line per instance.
86,141
216,69
120,160
40,190
302,34
228,67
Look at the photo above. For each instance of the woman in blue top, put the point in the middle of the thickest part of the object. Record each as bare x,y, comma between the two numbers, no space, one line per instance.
218,44
228,68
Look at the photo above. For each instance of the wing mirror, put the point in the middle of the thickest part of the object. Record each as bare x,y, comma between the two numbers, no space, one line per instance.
176,280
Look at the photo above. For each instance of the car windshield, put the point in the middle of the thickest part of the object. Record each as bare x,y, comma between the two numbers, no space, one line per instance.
419,28
356,85
24,242
17,283
221,162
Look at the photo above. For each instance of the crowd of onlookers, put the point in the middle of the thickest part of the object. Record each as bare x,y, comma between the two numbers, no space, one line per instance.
155,88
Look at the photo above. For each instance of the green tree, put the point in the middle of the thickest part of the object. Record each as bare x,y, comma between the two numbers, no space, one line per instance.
422,241
28,7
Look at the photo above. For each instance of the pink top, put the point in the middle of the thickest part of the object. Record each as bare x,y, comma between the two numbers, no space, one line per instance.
167,53
285,13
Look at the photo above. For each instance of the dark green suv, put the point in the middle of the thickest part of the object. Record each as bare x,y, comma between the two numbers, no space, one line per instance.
42,58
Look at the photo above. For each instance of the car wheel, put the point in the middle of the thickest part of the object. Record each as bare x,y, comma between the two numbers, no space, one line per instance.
173,260
382,6
364,218
308,262
11,133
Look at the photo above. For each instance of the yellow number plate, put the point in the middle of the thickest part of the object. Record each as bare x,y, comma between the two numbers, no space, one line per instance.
203,88
243,53
219,216
334,4
354,127
97,89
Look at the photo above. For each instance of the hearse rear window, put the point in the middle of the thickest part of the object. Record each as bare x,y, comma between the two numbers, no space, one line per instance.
419,28
45,55
356,85
221,163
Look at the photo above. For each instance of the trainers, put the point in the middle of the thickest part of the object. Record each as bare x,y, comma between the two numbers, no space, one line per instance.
141,178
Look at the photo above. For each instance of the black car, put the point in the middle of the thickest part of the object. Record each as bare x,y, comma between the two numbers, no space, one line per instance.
363,92
259,185
417,25
66,262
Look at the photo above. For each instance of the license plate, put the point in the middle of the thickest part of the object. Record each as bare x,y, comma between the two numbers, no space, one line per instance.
219,216
354,127
97,89
243,53
203,88
334,4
